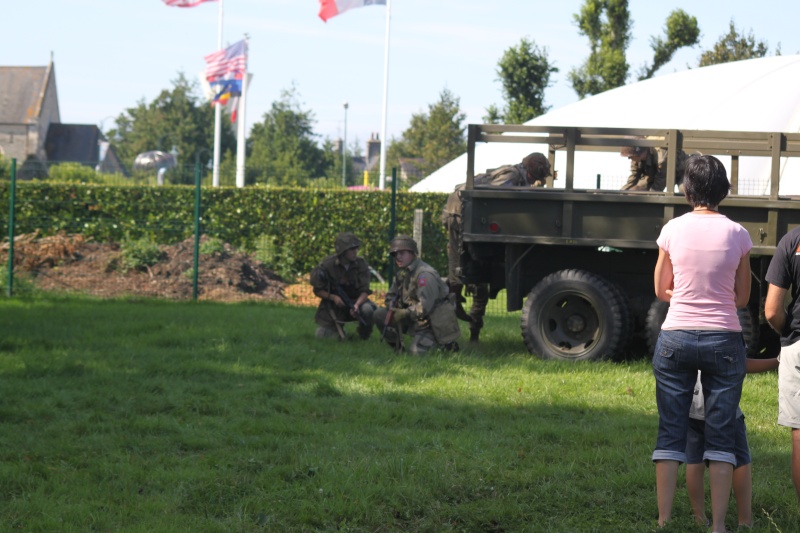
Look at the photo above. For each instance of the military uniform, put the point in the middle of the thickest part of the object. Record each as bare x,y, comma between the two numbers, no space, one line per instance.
650,174
353,279
505,176
422,308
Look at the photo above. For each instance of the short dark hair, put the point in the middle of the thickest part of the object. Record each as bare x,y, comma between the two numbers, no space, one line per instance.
705,181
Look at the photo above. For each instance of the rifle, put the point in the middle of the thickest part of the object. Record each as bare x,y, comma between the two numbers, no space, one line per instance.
398,345
332,283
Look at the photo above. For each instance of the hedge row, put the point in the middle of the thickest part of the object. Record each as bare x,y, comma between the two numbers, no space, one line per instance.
299,224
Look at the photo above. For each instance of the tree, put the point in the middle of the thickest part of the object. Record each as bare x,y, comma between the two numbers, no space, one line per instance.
681,30
607,25
524,71
734,46
178,118
435,137
282,149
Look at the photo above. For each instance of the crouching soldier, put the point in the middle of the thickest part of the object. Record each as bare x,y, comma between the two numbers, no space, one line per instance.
341,282
417,304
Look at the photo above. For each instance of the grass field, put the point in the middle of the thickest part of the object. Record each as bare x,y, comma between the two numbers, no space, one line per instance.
144,416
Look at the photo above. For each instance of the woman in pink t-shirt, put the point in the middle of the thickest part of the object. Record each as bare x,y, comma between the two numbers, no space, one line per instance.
703,270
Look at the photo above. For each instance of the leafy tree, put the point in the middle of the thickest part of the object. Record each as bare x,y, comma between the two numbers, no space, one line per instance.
493,115
734,46
681,30
282,148
607,25
435,137
177,118
524,70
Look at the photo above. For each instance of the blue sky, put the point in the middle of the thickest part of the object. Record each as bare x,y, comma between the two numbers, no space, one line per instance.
110,54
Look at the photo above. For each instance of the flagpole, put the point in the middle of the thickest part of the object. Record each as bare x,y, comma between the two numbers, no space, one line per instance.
217,113
382,177
240,123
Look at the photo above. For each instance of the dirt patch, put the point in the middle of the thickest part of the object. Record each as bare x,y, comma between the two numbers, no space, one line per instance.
70,263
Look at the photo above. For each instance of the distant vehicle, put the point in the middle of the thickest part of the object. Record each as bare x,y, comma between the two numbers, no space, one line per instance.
154,160
579,262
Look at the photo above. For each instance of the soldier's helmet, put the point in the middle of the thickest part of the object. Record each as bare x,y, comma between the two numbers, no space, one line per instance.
537,165
345,241
403,242
633,151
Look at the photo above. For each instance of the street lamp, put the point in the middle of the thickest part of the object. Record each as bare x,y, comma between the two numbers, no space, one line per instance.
344,148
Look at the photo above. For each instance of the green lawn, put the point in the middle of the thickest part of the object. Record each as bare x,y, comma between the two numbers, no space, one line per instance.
144,416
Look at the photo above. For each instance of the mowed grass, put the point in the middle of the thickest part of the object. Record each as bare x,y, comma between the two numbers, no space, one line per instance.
144,416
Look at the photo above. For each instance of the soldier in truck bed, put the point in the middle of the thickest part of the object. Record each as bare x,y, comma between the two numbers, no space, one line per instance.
531,172
649,168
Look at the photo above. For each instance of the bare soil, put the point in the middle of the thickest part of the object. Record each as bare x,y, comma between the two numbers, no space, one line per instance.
70,263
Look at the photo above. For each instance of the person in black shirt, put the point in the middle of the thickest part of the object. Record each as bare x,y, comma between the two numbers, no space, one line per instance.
783,275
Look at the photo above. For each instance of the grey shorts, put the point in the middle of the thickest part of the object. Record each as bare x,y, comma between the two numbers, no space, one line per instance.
789,386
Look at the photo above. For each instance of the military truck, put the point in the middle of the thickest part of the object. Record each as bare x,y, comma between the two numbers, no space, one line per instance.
579,262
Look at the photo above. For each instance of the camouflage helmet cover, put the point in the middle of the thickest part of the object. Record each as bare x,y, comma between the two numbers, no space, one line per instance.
345,241
403,242
537,165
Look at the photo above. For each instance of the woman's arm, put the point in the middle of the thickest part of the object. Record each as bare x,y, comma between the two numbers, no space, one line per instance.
741,283
663,277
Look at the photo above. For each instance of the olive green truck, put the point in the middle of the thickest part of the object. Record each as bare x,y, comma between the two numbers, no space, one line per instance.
579,262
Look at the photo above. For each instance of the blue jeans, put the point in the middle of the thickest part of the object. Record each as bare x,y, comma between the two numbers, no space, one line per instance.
720,356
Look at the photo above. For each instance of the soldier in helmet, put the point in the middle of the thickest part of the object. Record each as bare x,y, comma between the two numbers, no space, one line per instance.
341,281
417,304
532,172
649,168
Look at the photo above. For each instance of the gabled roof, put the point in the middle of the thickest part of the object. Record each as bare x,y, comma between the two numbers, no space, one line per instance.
21,93
72,142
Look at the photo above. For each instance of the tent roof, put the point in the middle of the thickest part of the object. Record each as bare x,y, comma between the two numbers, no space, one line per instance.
752,95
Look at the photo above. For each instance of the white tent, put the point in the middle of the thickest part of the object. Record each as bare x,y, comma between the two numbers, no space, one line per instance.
753,95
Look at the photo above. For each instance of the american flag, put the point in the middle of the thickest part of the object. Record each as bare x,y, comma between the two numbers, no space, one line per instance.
186,3
231,62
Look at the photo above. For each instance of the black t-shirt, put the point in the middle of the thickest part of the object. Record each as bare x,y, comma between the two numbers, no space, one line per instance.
784,272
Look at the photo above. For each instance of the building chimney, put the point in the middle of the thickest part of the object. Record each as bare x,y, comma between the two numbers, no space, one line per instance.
373,149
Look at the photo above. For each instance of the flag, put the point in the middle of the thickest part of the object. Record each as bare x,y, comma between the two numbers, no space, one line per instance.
227,93
186,3
331,8
231,61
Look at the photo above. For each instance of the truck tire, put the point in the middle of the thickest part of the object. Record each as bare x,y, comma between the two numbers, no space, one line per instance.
658,313
575,315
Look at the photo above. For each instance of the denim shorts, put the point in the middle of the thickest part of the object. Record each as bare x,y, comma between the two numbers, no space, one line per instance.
696,441
720,356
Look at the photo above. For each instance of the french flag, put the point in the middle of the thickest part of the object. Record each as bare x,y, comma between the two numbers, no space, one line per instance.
331,8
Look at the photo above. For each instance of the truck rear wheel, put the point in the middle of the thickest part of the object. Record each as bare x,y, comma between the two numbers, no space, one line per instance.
576,316
658,313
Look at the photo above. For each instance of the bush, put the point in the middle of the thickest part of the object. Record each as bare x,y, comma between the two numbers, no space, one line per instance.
300,225
139,254
212,246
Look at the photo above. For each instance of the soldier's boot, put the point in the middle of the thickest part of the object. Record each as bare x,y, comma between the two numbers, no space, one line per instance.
457,288
451,347
326,333
475,329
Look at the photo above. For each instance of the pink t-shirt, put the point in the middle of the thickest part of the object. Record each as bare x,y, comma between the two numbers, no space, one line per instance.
705,250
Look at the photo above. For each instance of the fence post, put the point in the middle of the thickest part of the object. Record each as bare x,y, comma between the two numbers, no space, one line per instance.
393,219
418,213
598,182
11,219
196,227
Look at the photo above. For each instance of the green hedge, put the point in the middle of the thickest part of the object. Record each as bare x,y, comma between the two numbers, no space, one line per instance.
299,222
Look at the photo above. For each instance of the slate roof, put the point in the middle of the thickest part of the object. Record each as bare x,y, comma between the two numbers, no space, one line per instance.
72,142
21,93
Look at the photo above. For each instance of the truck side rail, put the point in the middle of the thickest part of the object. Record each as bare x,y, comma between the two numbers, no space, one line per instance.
622,219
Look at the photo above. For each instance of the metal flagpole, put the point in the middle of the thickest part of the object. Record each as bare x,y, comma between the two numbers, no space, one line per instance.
382,177
240,122
217,113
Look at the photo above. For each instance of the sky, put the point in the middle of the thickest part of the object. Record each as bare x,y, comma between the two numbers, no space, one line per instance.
109,55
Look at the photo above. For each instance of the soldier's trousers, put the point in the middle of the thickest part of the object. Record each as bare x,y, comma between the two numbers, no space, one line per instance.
328,314
422,340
